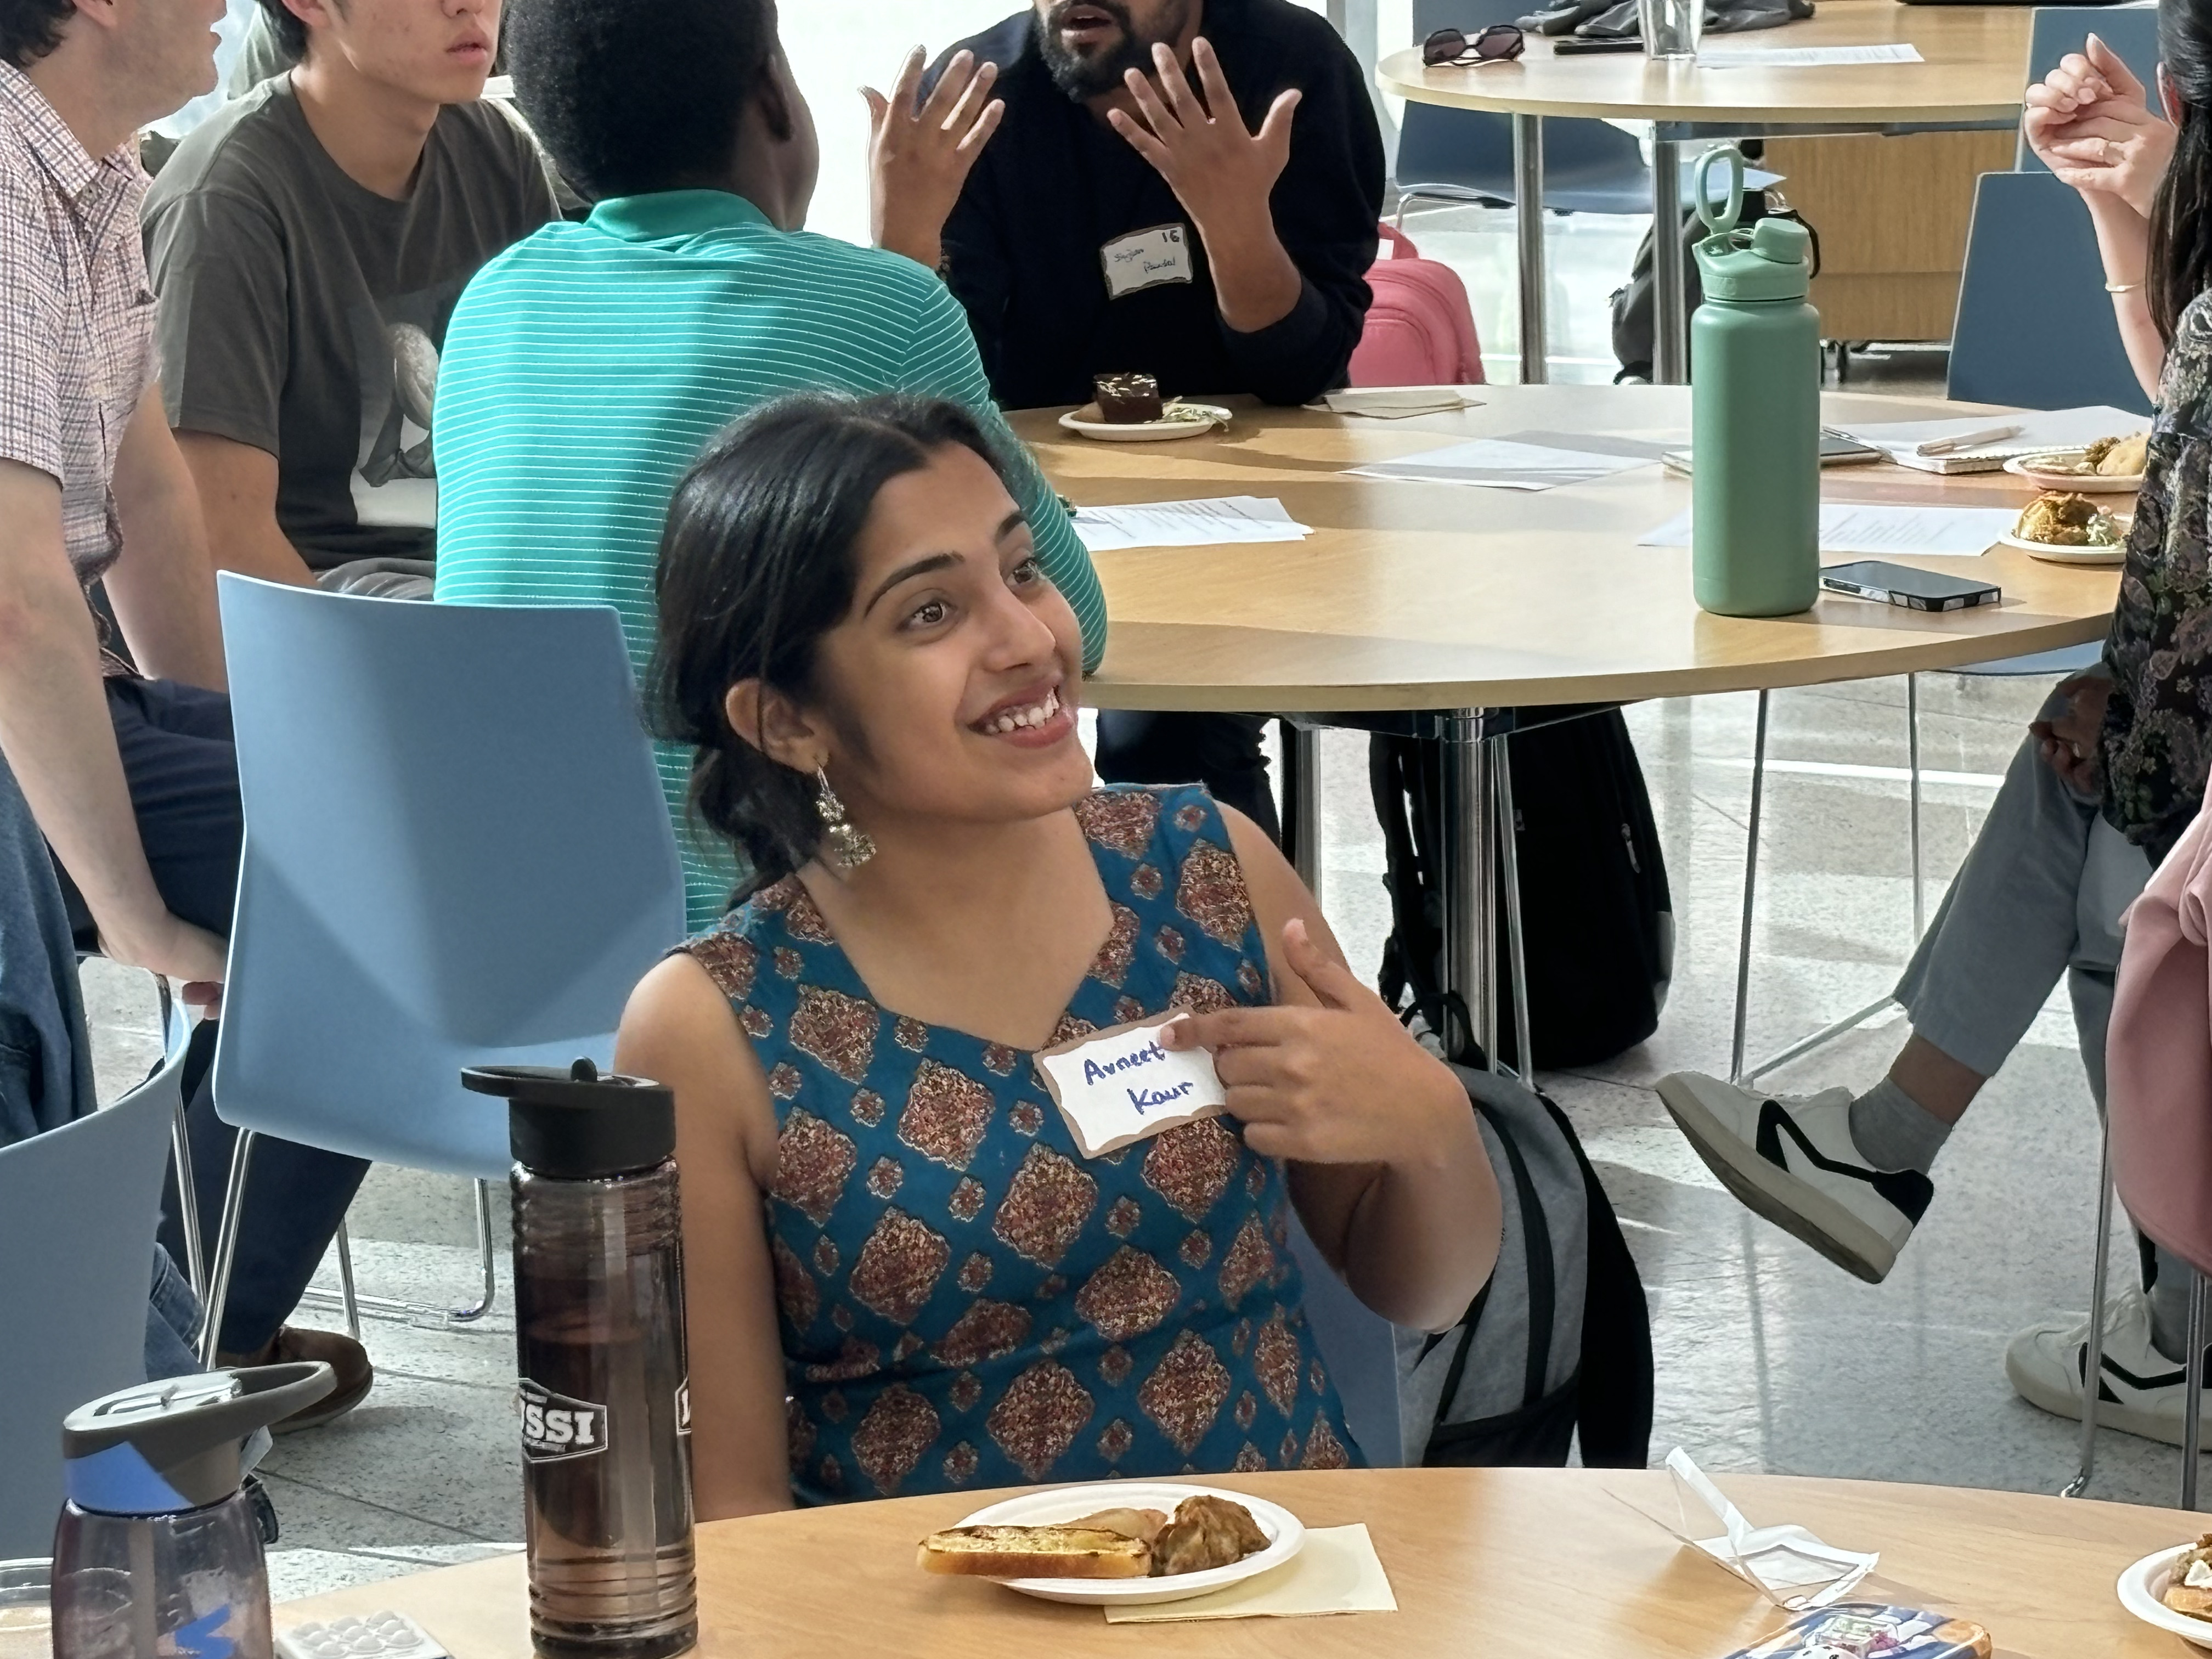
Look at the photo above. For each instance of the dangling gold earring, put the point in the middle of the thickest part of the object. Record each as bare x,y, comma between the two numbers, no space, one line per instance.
849,848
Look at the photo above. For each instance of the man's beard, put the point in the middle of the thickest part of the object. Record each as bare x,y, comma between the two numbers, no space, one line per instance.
1080,75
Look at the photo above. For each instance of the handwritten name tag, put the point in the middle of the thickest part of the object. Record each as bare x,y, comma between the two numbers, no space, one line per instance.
1119,1086
1146,259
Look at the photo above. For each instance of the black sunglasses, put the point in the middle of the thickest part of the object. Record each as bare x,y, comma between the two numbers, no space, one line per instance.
1498,44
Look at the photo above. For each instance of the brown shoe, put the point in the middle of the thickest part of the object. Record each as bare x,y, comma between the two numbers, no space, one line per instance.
344,1356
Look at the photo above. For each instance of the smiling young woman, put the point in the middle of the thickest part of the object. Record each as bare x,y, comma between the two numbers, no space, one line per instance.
940,1290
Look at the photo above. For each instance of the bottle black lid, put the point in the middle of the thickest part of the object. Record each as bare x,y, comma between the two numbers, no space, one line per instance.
577,1125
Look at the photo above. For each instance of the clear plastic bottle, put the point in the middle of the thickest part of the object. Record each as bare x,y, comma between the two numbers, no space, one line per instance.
158,1554
603,1392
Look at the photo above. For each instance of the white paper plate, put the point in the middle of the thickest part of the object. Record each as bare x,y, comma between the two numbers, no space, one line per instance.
2140,1587
2082,484
1189,421
1287,1536
2058,553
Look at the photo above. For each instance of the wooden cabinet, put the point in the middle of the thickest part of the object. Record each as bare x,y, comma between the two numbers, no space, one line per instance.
1891,214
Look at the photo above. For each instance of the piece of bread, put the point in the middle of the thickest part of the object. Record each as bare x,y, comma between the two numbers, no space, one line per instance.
1205,1533
2125,458
2195,1600
1035,1552
2061,518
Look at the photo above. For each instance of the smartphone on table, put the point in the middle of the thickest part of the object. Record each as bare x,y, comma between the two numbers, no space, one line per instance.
1907,586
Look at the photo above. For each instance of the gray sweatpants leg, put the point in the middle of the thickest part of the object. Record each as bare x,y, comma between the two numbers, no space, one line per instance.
2040,894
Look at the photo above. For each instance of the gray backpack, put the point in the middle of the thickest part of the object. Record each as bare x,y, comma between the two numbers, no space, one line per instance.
1560,1340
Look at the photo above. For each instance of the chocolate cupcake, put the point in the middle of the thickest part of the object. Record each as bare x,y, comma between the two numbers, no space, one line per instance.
1127,399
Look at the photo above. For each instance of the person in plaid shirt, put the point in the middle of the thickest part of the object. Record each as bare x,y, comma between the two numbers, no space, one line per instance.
130,775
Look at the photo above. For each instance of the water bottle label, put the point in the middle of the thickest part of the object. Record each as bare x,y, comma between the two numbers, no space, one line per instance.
684,1407
555,1428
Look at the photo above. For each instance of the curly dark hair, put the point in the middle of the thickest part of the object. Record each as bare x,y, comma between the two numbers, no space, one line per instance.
632,98
756,566
29,29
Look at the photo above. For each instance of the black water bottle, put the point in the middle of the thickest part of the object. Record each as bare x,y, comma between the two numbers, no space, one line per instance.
602,1391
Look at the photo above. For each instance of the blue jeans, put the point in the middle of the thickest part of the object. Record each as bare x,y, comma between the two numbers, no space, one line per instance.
172,1322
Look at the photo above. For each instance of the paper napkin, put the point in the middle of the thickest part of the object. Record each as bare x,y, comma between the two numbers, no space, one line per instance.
1337,1571
1395,402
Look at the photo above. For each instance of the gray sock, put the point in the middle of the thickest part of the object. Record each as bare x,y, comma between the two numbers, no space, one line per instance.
1895,1130
2169,1306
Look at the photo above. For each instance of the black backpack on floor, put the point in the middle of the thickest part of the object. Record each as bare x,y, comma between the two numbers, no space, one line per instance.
1596,916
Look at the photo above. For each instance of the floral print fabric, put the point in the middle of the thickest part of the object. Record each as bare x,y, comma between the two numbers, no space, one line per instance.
965,1300
2156,723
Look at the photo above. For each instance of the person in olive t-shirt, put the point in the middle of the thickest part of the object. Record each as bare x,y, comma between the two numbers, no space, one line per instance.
308,245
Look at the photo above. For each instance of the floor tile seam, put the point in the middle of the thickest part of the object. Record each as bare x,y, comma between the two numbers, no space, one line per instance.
283,1478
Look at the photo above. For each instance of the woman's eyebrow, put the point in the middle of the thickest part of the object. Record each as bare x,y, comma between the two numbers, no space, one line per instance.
1014,520
907,571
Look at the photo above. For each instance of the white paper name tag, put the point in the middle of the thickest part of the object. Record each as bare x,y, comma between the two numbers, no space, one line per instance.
1119,1086
1146,259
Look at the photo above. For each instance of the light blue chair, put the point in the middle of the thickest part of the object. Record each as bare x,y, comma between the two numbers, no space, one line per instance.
2034,326
1357,1346
79,1206
457,854
2054,31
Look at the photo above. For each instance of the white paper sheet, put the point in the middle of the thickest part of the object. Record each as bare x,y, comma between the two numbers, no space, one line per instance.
1864,527
1395,402
1213,522
1804,56
2039,429
1506,463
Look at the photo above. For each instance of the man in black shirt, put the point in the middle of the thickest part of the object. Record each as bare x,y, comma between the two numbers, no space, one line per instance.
1214,235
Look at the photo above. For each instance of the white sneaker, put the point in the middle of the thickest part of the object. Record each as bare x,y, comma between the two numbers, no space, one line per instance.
2140,1389
1791,1158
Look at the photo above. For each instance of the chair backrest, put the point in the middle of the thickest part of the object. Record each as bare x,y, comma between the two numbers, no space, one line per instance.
2054,31
78,1209
2034,326
1358,1347
456,852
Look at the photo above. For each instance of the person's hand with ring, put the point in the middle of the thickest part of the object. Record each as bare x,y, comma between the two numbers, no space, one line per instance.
2070,742
2091,123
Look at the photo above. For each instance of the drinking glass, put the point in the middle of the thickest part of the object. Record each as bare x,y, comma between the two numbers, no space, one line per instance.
1671,28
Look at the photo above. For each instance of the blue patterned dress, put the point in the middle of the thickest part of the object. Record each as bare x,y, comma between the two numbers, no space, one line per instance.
965,1300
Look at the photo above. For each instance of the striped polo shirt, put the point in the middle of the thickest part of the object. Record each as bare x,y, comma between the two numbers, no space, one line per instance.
588,366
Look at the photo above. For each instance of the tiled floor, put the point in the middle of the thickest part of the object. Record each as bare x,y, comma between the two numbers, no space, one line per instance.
1768,1358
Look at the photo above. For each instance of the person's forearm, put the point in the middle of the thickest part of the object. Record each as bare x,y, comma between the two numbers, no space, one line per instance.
924,243
60,743
2124,246
1255,283
237,486
162,587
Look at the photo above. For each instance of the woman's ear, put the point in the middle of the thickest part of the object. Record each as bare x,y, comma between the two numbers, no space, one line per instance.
769,720
2168,101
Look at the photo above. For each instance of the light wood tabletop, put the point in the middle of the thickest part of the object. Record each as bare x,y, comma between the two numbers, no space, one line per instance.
1503,1563
1976,61
1429,596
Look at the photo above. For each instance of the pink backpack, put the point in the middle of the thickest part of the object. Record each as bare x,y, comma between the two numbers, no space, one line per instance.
1420,329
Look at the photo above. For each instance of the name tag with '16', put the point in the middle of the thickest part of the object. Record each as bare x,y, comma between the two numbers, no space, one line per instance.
1120,1086
1146,259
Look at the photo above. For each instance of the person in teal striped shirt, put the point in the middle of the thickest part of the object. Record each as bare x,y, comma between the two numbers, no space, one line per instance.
586,367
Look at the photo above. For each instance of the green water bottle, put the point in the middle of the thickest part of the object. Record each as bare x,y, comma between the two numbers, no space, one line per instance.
1754,411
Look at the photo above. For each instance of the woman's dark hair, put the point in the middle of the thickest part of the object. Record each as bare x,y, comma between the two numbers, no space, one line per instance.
635,96
29,29
2179,263
756,566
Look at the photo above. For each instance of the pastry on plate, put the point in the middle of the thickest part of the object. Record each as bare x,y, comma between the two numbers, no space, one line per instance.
1035,1552
2062,519
2118,458
1206,1532
1144,1524
1126,400
2189,1580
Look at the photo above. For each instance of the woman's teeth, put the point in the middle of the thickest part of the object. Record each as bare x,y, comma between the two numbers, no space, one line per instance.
1015,719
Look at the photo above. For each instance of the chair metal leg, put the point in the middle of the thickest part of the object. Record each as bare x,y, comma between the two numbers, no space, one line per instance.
1912,765
2192,1403
2093,1362
1670,354
1302,802
1750,891
226,1247
1470,859
347,1296
188,1205
465,1315
1509,843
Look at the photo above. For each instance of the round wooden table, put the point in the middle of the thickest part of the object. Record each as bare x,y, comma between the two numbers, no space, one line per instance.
1973,75
1442,604
1508,1564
